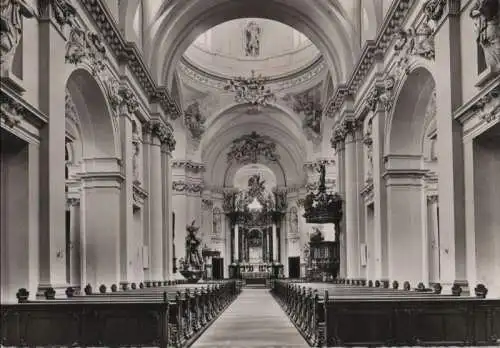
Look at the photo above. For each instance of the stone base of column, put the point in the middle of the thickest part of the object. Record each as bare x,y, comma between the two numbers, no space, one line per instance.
60,289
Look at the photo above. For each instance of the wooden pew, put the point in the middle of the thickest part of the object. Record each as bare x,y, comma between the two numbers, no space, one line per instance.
347,315
159,316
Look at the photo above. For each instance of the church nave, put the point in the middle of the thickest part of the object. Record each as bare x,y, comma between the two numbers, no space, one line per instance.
254,319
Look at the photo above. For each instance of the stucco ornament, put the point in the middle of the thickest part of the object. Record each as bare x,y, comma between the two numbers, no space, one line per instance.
416,42
368,141
86,45
11,112
250,147
63,11
434,9
195,121
252,35
11,13
486,15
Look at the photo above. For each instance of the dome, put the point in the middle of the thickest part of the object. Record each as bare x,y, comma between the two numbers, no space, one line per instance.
236,47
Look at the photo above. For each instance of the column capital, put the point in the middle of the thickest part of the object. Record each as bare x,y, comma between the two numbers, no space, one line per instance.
164,132
60,10
128,103
381,98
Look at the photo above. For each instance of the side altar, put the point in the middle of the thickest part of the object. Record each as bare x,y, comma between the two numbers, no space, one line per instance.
256,217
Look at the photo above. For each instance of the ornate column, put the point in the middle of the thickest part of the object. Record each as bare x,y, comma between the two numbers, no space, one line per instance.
236,249
146,182
337,143
154,128
167,147
379,256
128,105
75,243
101,228
449,145
52,53
275,243
351,198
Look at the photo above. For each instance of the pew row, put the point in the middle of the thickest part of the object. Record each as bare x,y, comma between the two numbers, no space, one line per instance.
330,315
164,316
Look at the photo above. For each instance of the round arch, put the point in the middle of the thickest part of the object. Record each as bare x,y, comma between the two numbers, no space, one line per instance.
406,124
172,35
96,127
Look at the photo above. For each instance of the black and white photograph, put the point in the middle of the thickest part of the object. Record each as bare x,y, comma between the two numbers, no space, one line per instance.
249,173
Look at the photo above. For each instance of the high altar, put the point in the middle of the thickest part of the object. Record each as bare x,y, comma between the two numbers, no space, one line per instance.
255,217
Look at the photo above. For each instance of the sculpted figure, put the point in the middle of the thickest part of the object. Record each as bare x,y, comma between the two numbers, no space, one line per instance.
11,12
252,39
193,242
486,14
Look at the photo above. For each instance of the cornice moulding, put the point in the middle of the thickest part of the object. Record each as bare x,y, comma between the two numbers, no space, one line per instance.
189,165
371,51
288,80
29,113
129,53
466,111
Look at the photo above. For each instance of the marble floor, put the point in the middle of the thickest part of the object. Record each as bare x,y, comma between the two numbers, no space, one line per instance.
254,319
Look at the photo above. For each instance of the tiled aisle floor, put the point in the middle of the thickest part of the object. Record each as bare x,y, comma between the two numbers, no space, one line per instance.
254,319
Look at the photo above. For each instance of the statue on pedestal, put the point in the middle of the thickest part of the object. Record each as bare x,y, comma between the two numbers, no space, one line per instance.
193,242
192,266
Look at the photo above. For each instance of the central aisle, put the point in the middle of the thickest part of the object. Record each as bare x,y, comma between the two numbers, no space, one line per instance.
254,319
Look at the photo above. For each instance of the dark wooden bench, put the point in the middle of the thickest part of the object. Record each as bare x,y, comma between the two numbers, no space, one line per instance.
342,314
155,316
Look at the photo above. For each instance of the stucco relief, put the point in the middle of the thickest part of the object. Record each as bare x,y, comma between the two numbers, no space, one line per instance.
418,42
136,144
486,16
252,36
11,112
163,131
195,120
250,147
488,107
368,141
85,45
189,187
11,14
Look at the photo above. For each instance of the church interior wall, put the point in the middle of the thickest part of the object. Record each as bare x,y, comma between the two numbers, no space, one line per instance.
410,217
